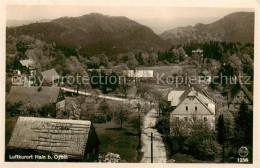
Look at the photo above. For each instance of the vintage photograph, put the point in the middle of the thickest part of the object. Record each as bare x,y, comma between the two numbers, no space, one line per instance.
124,84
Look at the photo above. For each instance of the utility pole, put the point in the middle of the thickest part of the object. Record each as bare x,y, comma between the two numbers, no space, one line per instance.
138,107
151,147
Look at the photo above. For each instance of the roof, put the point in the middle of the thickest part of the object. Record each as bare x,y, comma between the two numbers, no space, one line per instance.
236,89
174,97
50,75
27,63
31,95
197,50
206,73
203,99
144,73
52,135
247,57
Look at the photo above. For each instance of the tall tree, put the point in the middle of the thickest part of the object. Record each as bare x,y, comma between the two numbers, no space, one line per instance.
221,134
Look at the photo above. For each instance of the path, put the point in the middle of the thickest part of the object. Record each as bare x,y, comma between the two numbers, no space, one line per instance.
159,152
132,101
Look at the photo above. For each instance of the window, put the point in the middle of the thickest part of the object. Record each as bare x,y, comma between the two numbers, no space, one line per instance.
187,108
205,118
194,118
238,97
177,118
196,108
185,118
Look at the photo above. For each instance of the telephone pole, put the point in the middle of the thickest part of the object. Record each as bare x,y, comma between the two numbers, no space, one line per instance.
151,147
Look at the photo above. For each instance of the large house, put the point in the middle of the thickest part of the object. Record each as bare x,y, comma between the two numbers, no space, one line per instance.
238,94
37,96
72,140
191,105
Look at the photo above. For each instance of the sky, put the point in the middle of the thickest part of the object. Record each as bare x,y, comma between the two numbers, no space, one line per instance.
158,18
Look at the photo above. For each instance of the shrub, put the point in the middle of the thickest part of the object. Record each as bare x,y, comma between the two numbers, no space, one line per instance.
98,118
208,149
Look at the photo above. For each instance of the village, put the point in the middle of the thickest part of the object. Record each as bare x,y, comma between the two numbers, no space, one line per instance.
136,121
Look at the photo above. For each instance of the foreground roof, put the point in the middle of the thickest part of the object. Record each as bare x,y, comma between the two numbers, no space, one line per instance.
51,135
33,95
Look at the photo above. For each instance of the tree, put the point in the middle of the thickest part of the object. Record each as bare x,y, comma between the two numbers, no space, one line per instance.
103,82
243,125
113,81
182,54
132,62
47,111
94,79
222,134
13,109
124,88
122,115
153,59
175,55
104,109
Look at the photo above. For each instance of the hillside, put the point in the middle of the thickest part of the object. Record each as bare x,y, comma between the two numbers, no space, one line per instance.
235,27
94,33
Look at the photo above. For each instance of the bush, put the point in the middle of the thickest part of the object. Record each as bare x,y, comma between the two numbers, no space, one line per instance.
98,119
13,109
208,150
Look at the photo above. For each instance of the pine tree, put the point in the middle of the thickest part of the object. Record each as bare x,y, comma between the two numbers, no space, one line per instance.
222,134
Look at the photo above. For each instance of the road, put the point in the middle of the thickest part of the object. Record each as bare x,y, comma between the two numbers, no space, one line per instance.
159,152
101,96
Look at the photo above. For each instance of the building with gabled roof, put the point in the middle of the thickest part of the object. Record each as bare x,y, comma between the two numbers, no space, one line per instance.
50,76
238,94
37,96
75,140
27,66
191,105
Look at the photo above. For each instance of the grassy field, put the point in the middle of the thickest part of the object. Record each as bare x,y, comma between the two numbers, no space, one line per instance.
121,141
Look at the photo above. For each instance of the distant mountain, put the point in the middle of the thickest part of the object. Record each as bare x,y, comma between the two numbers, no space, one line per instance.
94,33
159,25
15,23
235,27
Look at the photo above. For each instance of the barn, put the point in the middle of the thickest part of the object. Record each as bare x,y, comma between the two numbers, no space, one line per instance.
47,139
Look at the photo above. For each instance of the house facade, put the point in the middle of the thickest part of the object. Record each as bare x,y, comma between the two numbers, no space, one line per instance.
74,140
238,94
191,106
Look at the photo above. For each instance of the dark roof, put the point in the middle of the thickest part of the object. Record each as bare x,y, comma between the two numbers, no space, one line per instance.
32,96
52,135
236,89
50,75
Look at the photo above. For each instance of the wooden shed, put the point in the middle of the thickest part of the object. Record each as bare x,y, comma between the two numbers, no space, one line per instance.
75,140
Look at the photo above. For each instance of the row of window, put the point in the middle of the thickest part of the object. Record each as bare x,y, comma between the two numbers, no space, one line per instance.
193,118
187,108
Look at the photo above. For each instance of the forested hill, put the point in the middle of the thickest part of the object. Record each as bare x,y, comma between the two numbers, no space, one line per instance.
94,34
235,27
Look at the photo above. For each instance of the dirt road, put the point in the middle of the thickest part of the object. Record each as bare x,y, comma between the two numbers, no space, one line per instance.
159,153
